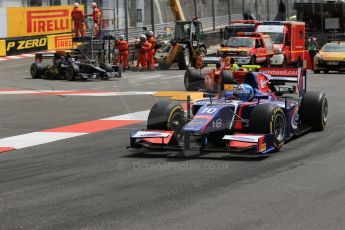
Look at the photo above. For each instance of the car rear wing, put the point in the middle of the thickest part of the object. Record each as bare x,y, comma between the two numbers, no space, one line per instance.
39,56
210,60
287,75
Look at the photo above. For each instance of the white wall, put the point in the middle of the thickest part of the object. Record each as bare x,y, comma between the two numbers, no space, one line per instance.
6,3
3,23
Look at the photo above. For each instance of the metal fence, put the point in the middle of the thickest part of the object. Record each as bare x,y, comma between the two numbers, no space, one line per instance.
128,17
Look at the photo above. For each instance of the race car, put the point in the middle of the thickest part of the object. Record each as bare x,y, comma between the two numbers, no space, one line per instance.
331,57
217,79
213,80
246,121
70,65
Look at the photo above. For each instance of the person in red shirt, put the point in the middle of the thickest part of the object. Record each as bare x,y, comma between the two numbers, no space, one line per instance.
78,21
142,48
96,18
151,51
122,46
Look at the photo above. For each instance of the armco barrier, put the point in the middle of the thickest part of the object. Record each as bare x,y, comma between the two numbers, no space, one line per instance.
15,46
2,48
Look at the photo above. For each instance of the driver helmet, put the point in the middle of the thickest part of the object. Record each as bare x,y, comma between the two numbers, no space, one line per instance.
244,92
93,4
76,5
122,37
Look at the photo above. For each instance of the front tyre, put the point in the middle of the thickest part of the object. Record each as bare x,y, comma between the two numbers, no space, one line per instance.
107,68
269,119
166,115
71,72
314,110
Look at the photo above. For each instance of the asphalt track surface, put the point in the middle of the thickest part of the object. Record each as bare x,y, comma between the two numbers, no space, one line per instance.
94,182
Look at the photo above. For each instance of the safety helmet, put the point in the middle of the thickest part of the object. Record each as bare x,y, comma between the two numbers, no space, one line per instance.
94,4
142,37
150,33
121,37
76,5
244,92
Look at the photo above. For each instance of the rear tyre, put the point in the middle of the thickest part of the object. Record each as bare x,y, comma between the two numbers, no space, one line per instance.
184,59
326,71
193,80
36,70
316,71
314,110
269,119
71,72
166,115
225,78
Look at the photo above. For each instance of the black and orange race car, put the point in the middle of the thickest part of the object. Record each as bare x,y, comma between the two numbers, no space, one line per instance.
68,65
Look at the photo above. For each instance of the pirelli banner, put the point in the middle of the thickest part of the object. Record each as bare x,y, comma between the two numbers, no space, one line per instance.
2,48
60,42
33,21
25,45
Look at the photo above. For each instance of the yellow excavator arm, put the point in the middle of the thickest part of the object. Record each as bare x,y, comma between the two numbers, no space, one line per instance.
176,9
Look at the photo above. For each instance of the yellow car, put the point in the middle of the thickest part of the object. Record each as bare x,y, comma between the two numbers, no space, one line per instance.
331,57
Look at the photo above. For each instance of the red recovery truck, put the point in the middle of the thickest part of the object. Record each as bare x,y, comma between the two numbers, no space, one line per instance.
289,41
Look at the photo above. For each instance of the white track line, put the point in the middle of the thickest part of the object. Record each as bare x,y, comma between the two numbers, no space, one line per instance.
75,93
142,79
28,55
109,94
137,116
36,138
14,57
